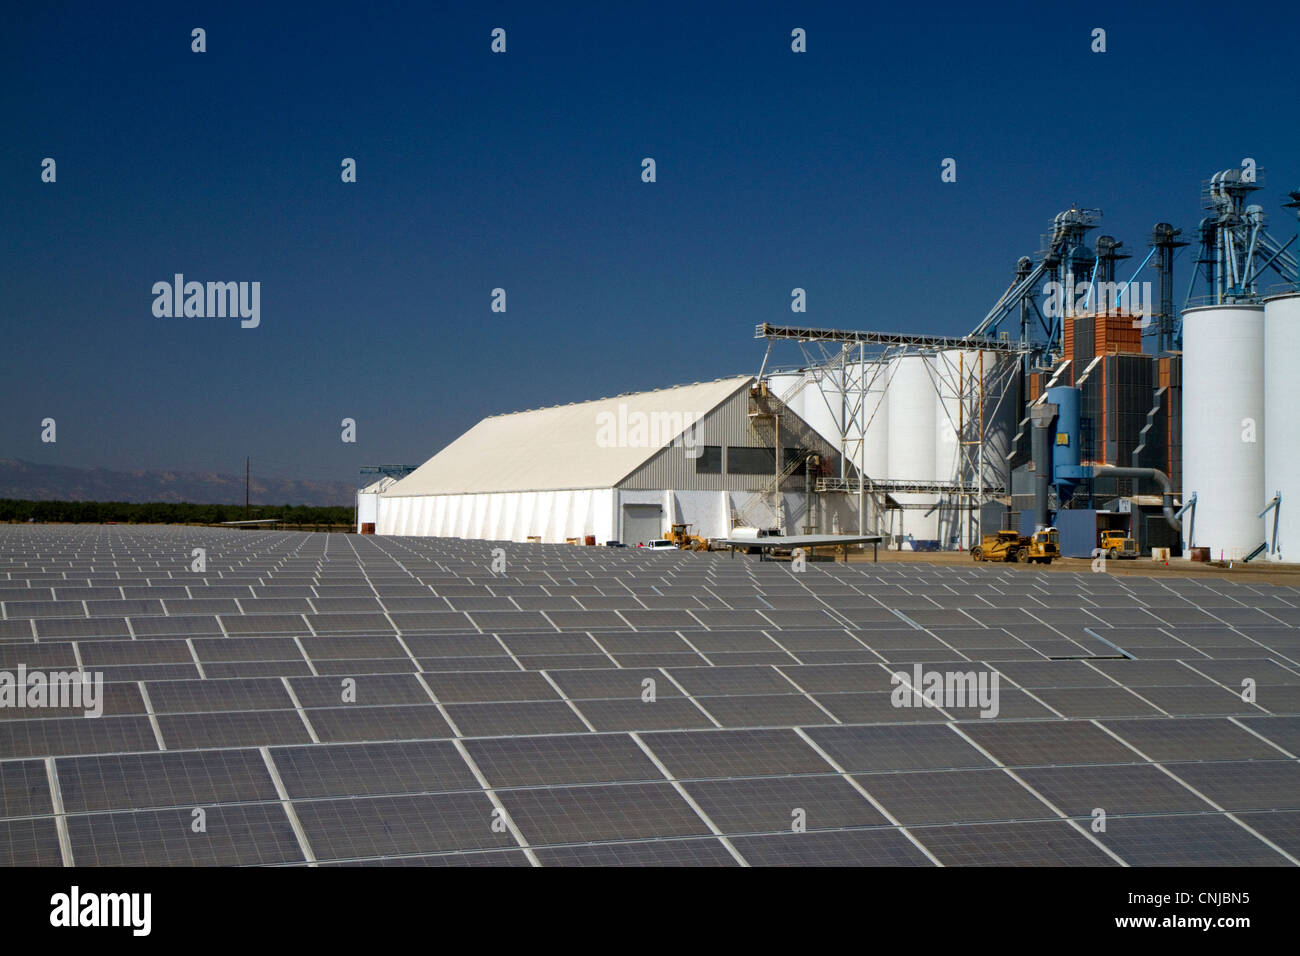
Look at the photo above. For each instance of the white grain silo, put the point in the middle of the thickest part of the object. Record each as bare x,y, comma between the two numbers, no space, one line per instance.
873,418
1281,433
952,380
821,405
816,397
1223,427
912,404
788,387
952,385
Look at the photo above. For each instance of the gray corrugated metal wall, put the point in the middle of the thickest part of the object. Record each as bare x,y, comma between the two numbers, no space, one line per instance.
729,424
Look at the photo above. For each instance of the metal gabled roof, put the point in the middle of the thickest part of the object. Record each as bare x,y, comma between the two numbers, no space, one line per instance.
566,446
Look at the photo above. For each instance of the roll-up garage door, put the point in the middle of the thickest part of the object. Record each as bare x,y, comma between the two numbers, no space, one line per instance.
642,524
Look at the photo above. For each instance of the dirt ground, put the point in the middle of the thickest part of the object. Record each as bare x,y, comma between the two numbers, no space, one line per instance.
1260,572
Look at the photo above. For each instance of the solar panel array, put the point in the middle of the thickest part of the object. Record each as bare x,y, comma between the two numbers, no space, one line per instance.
333,699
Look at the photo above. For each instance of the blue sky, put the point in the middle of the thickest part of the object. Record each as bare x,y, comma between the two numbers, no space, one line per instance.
522,171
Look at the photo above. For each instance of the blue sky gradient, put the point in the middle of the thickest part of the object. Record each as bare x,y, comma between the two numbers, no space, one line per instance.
522,171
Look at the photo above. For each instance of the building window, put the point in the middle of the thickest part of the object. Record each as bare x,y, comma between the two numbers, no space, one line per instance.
750,461
710,460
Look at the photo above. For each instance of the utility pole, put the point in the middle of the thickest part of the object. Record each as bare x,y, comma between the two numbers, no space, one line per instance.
246,460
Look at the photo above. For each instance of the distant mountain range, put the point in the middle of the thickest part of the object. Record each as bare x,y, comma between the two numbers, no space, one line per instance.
26,480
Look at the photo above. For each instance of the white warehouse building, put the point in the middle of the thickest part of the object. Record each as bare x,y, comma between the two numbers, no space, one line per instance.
624,469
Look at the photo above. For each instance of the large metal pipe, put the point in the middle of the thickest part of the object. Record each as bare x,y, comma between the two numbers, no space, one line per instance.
1042,414
1167,500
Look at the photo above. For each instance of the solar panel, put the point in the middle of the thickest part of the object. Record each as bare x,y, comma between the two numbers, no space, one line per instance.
766,710
1012,844
232,835
253,728
486,687
561,760
901,747
868,847
590,814
1187,840
472,858
1047,743
778,804
345,770
369,827
735,753
519,717
57,655
732,681
681,852
1245,784
29,843
1118,790
354,722
72,735
24,789
1090,702
542,673
158,780
1281,827
965,796
54,628
664,713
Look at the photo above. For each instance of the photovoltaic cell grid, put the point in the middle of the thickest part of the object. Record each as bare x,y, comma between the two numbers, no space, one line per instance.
344,700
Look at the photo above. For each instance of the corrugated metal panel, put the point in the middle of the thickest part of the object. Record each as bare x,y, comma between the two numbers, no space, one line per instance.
1083,348
1078,530
1117,333
730,425
1154,532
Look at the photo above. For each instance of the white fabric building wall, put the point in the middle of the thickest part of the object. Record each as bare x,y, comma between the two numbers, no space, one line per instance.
555,516
368,502
503,516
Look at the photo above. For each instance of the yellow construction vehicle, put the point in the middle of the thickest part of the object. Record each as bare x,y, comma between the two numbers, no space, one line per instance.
1010,546
680,535
1003,546
1043,546
1117,545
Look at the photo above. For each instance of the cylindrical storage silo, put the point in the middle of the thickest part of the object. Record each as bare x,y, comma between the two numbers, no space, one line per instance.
911,420
952,421
785,386
815,398
951,383
1223,428
911,445
873,421
821,405
1281,434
